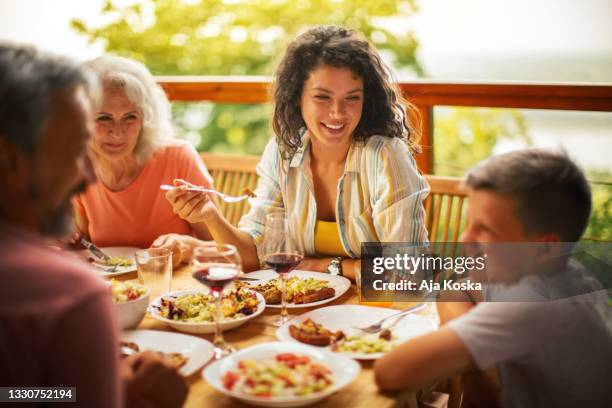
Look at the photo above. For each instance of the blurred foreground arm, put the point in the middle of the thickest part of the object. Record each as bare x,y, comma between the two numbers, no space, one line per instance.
150,382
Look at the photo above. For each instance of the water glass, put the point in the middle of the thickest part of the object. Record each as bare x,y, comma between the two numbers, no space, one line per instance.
155,270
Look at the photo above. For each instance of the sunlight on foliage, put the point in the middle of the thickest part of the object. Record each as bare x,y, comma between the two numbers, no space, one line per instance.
213,37
465,136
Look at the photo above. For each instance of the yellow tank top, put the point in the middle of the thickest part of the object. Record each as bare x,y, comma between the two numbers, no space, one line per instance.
327,239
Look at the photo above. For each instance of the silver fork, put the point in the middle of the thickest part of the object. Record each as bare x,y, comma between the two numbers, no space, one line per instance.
376,327
224,197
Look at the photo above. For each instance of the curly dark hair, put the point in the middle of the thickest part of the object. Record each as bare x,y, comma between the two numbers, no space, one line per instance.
384,110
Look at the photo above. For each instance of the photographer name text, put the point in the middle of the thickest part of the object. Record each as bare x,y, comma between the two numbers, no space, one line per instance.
427,285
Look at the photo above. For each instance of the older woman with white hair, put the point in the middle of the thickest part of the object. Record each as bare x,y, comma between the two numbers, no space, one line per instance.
133,152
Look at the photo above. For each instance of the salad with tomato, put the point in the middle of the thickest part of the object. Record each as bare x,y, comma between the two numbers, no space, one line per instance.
126,291
286,375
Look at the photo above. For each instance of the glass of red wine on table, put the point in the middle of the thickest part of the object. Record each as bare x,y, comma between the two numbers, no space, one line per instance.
216,266
282,254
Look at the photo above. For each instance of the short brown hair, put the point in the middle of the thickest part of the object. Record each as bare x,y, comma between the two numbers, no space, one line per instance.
551,192
384,110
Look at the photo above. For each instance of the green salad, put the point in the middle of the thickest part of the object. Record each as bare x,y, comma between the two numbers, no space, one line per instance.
126,291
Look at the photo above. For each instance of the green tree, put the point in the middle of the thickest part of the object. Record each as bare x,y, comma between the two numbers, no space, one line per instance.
600,223
465,136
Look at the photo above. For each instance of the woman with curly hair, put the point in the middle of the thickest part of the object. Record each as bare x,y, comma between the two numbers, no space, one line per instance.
340,164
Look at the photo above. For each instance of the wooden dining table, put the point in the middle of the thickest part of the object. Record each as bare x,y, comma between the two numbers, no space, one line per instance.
362,392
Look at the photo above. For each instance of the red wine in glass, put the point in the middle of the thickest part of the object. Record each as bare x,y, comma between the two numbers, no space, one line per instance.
217,277
283,262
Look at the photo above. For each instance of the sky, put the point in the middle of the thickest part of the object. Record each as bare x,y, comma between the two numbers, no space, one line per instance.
46,24
444,27
526,26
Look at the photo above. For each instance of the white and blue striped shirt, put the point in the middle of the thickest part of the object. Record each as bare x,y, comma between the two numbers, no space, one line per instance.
380,196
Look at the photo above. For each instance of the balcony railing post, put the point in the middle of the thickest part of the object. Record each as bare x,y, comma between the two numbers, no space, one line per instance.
425,159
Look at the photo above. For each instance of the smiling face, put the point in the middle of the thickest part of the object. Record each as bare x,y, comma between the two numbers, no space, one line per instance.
118,125
332,103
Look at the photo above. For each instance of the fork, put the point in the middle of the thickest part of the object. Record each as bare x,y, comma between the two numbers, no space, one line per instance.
224,197
376,327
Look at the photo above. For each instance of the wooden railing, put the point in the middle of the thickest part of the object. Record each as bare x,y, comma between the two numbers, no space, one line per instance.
424,94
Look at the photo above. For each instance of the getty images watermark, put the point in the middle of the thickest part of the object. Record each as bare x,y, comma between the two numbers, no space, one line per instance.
426,265
452,271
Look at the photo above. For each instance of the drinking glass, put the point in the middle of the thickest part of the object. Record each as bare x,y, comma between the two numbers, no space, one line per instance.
216,266
154,266
282,254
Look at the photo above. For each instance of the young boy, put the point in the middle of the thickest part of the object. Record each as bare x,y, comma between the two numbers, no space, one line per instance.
525,353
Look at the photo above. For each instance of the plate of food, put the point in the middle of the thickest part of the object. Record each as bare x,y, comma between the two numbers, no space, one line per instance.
193,311
333,328
186,353
281,374
304,288
131,301
122,260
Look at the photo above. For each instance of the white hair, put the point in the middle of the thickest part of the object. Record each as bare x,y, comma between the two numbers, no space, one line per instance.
142,90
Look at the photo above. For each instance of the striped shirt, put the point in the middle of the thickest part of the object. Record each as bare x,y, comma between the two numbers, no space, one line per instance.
380,196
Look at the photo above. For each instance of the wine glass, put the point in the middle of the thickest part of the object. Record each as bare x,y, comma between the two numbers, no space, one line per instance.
216,266
282,254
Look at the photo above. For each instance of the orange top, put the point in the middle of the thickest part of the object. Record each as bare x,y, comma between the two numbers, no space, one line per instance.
140,213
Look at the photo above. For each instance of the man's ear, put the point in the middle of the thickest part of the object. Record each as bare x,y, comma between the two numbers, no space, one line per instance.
550,237
15,165
548,247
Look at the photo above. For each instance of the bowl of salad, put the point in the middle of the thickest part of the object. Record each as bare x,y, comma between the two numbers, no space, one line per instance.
193,311
281,374
131,301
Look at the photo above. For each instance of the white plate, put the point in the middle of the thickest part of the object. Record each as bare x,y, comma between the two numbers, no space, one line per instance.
344,317
124,252
344,372
198,351
339,283
201,328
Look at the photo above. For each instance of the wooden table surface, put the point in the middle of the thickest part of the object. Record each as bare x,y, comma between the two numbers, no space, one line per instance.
360,393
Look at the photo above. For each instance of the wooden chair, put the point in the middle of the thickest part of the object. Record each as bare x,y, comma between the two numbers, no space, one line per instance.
445,211
453,388
232,173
